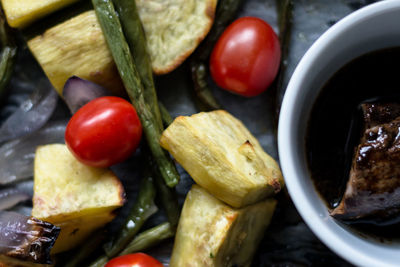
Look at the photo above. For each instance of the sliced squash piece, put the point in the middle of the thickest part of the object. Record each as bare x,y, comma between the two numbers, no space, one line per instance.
76,47
77,198
222,156
173,28
212,234
20,13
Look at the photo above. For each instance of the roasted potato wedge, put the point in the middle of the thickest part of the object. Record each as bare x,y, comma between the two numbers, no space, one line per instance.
77,198
20,13
211,233
222,156
76,47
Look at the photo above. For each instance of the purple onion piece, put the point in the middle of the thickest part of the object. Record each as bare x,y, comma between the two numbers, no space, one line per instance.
77,92
10,197
32,114
26,238
16,157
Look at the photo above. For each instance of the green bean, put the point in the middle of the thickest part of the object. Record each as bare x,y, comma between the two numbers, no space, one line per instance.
120,51
143,208
100,261
149,238
204,95
8,55
225,13
285,23
136,39
169,201
86,249
135,36
165,116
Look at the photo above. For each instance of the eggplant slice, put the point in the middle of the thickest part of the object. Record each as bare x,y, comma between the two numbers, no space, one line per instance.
26,239
373,190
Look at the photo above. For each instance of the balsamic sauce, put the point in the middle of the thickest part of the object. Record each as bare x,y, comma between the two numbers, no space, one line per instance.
334,128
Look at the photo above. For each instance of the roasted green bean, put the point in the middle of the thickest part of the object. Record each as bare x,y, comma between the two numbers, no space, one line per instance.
120,51
143,208
136,39
285,23
80,254
169,201
100,261
149,238
226,12
165,116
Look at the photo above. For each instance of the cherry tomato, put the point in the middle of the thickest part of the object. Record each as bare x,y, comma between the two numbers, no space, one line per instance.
103,132
134,260
246,58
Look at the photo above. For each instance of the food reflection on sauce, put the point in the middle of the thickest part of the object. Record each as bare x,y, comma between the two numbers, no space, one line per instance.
336,127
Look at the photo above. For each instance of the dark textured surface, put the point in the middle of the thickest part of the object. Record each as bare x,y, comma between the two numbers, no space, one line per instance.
288,241
374,185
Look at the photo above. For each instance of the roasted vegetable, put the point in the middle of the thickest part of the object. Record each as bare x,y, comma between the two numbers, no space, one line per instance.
22,12
76,47
149,238
222,156
15,168
226,11
144,207
80,254
210,233
135,37
32,113
174,28
8,54
285,23
78,198
120,50
9,197
25,240
77,92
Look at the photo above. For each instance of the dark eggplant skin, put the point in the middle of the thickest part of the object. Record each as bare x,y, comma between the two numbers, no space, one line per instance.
26,238
373,189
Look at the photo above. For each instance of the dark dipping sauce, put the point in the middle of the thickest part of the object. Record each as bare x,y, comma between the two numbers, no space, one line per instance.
334,128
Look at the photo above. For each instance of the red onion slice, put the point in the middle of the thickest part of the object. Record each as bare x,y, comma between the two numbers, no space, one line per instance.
32,114
10,197
16,157
77,92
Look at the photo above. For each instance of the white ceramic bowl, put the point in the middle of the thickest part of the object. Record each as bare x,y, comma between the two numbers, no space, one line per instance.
373,27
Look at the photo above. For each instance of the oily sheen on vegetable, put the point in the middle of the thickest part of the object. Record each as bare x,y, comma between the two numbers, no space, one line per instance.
104,132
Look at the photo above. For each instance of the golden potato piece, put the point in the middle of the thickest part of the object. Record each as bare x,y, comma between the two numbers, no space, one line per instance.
20,13
212,234
76,47
69,194
223,157
174,28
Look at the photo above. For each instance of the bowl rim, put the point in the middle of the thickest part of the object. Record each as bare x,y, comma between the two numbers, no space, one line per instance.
286,141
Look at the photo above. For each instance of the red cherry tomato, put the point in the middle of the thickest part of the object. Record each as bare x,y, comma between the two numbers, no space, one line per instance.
134,260
246,58
103,132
